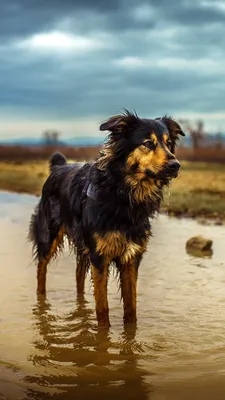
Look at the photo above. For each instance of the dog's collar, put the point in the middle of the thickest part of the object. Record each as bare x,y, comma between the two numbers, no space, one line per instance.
90,190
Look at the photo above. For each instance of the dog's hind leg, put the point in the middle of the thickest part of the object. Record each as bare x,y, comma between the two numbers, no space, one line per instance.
83,263
44,257
46,233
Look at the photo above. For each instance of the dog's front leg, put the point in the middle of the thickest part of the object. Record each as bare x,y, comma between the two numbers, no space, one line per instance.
100,280
128,282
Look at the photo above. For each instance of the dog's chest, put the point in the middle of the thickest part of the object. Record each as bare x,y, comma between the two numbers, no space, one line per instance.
115,244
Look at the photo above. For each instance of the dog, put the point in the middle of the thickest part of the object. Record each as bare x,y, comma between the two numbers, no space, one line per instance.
104,207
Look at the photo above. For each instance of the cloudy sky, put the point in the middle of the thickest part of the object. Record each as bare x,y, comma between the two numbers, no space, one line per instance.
69,64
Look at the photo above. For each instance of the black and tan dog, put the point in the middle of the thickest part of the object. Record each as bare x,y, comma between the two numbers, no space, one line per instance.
104,207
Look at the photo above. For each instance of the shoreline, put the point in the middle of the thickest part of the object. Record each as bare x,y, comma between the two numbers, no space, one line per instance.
202,218
198,192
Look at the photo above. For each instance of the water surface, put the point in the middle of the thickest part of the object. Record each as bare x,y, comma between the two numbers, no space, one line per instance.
52,347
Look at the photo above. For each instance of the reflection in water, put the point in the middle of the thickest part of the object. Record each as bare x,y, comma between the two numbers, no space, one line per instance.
93,364
48,347
199,253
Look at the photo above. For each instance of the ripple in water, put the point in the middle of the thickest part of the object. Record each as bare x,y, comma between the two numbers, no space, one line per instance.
52,346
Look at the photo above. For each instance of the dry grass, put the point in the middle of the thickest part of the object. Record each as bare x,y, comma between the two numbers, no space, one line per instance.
198,191
27,177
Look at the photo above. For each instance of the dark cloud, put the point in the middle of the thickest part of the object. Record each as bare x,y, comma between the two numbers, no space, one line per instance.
29,16
20,17
189,12
155,57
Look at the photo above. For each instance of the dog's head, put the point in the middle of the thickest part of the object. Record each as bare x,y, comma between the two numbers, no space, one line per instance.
146,147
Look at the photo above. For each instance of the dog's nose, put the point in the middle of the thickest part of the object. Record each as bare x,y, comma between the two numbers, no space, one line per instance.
174,165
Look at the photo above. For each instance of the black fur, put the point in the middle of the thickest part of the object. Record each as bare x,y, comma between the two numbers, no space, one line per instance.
90,198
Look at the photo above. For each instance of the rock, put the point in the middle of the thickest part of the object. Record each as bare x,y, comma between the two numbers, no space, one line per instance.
199,243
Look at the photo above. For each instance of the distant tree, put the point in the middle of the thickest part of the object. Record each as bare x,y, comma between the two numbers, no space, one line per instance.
51,137
197,133
219,140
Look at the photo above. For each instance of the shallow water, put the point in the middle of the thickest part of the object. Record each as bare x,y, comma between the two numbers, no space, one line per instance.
53,347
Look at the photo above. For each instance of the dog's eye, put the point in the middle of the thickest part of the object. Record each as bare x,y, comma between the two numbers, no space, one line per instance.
149,144
169,144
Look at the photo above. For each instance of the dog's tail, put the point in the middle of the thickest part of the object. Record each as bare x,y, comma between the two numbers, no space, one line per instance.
38,233
56,160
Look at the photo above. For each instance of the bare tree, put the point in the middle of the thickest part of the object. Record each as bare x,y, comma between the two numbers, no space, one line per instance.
197,133
51,137
219,140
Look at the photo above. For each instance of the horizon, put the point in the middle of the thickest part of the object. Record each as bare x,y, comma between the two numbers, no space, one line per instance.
95,140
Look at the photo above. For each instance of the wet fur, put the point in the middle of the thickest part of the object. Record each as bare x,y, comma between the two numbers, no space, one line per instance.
111,223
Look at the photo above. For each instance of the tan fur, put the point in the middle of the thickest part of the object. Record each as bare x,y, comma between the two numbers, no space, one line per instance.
153,137
115,244
142,186
128,282
142,189
100,280
146,159
131,251
165,137
103,160
81,270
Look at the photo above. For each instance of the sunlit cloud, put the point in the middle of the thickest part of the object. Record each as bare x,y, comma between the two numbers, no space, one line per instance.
204,65
60,41
214,3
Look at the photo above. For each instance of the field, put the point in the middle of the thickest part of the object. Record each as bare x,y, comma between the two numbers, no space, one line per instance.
199,191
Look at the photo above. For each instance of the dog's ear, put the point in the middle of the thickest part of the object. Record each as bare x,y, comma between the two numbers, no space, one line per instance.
119,123
173,127
112,124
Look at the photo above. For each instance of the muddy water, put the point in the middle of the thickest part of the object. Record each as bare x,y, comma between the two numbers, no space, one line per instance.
53,347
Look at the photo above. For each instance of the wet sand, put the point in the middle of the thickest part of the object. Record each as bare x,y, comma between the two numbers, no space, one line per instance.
52,347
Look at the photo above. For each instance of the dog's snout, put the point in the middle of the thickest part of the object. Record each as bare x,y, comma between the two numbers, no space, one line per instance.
174,165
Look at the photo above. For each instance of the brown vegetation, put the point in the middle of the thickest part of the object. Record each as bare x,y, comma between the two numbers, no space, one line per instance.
31,153
203,154
198,191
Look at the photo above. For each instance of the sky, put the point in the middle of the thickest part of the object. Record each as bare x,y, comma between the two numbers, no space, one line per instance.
69,65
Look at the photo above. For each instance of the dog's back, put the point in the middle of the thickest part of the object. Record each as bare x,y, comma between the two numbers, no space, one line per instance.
46,219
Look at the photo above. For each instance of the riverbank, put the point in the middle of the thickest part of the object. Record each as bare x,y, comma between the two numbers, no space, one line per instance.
199,191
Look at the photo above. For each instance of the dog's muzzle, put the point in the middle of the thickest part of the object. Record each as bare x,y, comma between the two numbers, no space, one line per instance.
172,168
170,171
